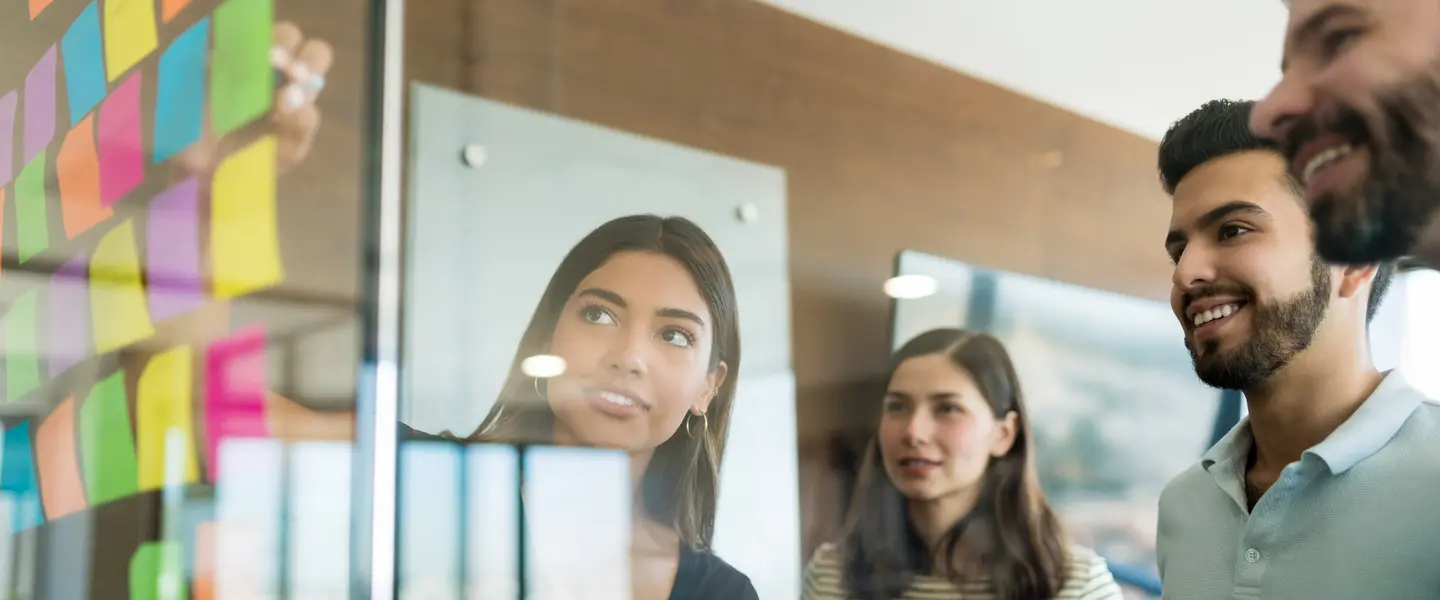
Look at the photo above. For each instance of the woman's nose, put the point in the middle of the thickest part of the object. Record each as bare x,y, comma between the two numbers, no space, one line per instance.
626,355
917,430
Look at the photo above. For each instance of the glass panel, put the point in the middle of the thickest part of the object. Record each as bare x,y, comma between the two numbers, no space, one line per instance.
537,271
180,295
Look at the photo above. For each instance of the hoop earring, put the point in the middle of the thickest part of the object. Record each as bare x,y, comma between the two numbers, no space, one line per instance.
538,394
704,426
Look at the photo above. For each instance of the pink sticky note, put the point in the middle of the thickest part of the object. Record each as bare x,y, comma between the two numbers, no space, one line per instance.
40,105
8,103
122,159
235,385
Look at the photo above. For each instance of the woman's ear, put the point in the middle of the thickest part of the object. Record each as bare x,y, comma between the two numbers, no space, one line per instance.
1005,429
714,381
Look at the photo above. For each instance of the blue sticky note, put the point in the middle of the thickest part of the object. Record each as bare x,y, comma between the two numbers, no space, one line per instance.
84,59
18,481
180,96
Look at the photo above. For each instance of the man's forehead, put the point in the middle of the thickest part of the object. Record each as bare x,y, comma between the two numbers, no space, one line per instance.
1253,177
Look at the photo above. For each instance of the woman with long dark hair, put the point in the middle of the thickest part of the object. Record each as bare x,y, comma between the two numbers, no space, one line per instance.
948,504
643,313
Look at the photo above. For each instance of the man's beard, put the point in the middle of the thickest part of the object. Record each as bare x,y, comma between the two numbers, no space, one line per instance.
1382,217
1279,331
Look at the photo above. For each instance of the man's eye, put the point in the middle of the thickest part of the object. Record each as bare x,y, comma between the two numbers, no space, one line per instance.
1230,231
1337,41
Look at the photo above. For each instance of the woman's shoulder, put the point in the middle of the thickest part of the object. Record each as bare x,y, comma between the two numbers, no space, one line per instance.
823,576
1087,577
704,576
411,434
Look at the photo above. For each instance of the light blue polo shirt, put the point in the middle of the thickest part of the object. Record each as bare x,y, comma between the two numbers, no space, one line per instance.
1356,518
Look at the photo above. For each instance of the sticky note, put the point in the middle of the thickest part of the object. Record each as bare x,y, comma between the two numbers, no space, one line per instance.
17,479
242,87
235,386
244,235
129,34
206,533
180,99
157,572
170,8
162,406
106,450
117,297
122,161
2,216
68,305
173,234
40,105
36,6
8,102
78,167
22,353
84,61
61,491
32,226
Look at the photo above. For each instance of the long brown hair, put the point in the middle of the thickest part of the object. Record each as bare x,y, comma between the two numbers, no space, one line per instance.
681,484
1011,533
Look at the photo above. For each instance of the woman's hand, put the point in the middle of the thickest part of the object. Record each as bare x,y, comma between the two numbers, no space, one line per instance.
294,117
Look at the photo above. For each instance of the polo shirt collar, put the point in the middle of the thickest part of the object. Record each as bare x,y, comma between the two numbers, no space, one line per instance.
1372,426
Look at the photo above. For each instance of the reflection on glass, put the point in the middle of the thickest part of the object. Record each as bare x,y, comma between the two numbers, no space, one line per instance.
577,520
1116,407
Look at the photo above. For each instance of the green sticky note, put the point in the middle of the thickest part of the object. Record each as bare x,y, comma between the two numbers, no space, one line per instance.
157,572
31,226
242,82
106,447
22,358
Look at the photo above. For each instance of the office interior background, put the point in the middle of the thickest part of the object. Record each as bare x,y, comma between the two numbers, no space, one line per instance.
210,323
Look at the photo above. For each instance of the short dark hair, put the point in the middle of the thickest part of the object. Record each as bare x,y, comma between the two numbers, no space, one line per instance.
1218,128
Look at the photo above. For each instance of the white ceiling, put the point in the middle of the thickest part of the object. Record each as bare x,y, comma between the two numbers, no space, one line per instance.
1136,64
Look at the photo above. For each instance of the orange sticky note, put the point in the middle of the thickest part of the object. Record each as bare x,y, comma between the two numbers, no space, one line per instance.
129,34
205,535
164,428
117,297
61,492
36,6
78,167
244,236
170,8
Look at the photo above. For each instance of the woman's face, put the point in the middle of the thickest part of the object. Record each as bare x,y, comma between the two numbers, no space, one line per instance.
636,337
938,433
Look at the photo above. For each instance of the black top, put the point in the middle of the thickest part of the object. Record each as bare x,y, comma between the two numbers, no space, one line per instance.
700,576
704,576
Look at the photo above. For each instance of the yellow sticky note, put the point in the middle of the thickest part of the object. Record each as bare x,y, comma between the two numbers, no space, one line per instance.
129,34
117,297
164,431
244,235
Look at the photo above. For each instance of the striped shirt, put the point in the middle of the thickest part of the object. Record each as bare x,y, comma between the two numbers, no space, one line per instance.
1086,578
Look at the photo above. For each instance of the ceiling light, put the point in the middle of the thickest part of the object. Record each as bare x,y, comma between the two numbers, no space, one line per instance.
910,287
543,366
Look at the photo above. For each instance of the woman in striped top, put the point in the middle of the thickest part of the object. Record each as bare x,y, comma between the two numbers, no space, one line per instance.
948,505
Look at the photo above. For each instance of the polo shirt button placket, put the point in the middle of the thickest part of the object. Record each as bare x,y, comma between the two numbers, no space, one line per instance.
1252,556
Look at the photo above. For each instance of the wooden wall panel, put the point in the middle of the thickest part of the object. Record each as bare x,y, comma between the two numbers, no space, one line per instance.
883,152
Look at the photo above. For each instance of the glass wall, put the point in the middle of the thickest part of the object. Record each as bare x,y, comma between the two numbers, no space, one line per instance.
182,184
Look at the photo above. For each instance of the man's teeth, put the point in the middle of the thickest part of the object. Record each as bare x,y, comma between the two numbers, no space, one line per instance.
1323,159
614,398
1224,310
